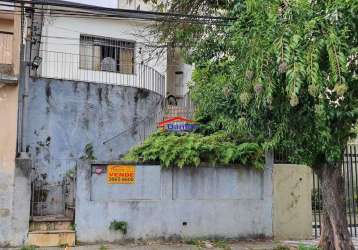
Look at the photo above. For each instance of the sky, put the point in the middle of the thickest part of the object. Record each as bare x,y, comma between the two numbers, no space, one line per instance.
103,3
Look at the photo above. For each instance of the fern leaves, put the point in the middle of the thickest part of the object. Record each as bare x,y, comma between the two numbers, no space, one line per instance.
190,150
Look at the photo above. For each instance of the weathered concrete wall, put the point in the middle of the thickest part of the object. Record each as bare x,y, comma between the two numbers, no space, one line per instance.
8,117
292,211
219,202
14,175
21,203
65,116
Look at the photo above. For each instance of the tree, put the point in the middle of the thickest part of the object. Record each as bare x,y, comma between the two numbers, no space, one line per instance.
285,73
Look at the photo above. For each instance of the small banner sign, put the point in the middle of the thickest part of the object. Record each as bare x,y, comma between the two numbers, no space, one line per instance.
121,174
178,124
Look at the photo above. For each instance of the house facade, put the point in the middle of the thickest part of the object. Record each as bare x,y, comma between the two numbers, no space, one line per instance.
102,51
100,82
91,87
93,83
108,54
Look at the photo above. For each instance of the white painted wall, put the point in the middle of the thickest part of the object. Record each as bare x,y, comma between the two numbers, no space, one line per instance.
134,4
177,84
6,6
61,47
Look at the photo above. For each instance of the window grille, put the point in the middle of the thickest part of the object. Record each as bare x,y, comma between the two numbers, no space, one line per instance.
106,54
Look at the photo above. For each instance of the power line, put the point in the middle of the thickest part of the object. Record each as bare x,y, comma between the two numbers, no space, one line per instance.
99,12
76,14
112,12
115,10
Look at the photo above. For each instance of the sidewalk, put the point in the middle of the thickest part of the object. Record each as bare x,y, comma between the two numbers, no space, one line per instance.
203,245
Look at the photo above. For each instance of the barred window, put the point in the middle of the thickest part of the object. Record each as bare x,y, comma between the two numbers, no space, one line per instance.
106,54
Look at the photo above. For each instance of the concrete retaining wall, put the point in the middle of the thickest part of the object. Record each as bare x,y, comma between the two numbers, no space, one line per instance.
65,116
220,202
21,203
15,222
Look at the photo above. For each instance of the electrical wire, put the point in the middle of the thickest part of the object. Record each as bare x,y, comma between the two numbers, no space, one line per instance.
72,14
111,12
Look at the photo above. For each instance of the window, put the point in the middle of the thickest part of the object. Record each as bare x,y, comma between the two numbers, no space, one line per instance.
106,54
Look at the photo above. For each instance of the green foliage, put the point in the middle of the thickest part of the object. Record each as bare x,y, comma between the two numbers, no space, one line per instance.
185,32
304,247
300,247
119,226
193,148
72,226
28,248
284,73
89,153
202,244
103,247
222,244
71,173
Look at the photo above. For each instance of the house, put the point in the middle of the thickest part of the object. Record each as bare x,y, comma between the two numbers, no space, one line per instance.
93,83
91,88
97,81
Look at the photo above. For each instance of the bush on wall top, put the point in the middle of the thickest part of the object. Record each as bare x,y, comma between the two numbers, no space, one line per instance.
192,149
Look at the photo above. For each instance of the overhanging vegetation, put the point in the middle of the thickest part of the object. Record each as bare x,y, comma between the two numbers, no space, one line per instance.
192,149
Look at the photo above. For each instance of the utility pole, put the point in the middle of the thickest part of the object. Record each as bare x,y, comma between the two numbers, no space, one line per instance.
25,50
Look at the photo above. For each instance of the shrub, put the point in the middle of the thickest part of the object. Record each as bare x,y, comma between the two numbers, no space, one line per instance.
191,149
119,226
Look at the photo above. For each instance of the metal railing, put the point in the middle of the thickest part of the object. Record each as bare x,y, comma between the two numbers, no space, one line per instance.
6,47
141,129
350,175
282,157
76,67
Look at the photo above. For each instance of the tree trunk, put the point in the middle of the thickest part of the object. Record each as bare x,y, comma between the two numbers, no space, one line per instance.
334,226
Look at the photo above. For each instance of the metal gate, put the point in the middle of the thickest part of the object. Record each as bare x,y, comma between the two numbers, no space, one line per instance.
350,174
53,197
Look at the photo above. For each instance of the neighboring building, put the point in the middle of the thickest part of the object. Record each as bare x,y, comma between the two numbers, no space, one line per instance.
9,71
135,5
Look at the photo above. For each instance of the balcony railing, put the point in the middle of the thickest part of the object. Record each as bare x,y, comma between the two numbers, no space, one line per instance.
6,46
75,67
